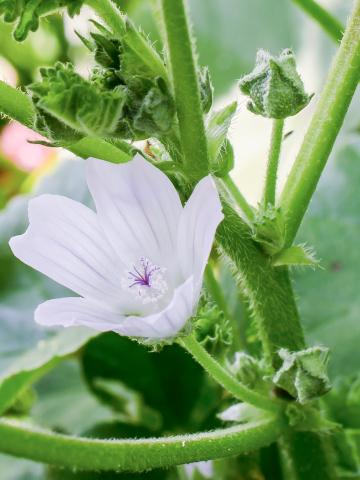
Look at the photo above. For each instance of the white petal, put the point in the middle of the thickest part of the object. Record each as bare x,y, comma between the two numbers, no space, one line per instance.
199,221
75,311
138,208
168,322
65,242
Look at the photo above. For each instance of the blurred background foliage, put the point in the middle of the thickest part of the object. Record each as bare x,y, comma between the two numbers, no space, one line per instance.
114,387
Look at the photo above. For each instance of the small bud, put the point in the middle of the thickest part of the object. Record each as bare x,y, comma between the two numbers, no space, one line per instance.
206,89
304,374
246,369
269,229
274,86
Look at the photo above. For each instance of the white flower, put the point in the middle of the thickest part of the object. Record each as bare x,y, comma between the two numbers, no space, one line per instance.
137,264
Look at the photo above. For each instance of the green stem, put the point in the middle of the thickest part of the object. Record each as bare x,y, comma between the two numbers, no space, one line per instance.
328,22
224,378
217,294
273,161
324,127
18,106
238,197
186,89
269,290
307,455
25,441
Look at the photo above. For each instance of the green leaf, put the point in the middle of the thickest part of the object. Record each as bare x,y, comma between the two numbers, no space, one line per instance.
27,13
269,229
79,104
169,381
297,255
329,297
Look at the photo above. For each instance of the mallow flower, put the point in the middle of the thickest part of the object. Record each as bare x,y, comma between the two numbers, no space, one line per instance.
136,264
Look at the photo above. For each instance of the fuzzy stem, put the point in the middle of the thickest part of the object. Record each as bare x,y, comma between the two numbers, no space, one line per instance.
268,289
331,25
238,197
224,378
273,162
325,125
186,88
25,441
307,455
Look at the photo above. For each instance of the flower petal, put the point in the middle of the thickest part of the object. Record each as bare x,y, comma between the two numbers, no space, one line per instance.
138,208
65,242
75,311
199,221
168,322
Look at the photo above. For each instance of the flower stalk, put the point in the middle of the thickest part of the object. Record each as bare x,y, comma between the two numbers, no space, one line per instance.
325,125
273,162
25,441
225,378
186,88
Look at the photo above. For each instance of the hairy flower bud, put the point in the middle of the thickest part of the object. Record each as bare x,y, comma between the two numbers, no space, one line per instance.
274,86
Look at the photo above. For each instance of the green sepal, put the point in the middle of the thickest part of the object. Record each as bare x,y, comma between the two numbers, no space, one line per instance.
206,89
297,255
28,12
268,229
303,374
220,149
274,86
306,418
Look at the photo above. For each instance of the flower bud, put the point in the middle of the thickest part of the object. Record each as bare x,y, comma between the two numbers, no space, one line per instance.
274,86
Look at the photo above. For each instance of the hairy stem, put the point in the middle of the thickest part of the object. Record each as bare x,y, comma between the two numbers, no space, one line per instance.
268,289
273,162
307,455
238,197
225,378
25,441
186,88
324,127
331,25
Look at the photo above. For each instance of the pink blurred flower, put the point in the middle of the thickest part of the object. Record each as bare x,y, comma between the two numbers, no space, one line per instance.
14,145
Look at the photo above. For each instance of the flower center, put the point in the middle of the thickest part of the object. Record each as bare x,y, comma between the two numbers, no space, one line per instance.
146,281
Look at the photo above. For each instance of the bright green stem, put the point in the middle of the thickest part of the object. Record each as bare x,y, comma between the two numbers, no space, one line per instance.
268,290
328,22
307,455
324,127
18,106
25,441
224,378
186,88
238,197
273,161
217,294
